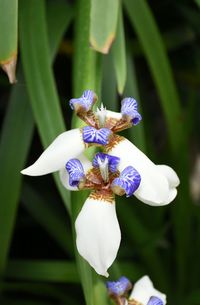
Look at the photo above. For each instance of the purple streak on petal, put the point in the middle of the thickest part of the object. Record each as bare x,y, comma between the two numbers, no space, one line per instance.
112,161
98,136
75,171
129,180
129,107
119,287
86,101
155,301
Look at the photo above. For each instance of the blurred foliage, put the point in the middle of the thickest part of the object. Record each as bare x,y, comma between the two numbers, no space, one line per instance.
154,58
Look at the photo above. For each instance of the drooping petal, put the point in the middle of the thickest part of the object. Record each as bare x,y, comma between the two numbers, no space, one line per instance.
99,136
84,103
128,182
120,287
143,290
112,161
154,187
67,145
129,108
64,176
170,174
98,232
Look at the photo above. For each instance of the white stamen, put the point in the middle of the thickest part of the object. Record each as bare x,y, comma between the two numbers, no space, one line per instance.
103,167
101,115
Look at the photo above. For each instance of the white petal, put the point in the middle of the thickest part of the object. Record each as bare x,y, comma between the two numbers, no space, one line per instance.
170,174
143,290
154,187
67,145
98,233
64,176
113,115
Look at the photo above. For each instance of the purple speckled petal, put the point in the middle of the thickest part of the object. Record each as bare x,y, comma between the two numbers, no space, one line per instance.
129,180
119,287
75,170
112,161
155,301
129,107
98,136
86,101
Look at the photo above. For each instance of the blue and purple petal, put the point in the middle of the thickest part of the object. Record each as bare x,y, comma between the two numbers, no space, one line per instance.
129,108
112,161
120,287
75,171
155,301
97,136
128,181
85,102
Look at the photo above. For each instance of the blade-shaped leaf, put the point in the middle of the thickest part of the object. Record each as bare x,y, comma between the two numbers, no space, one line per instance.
42,271
45,213
15,141
119,54
144,24
14,145
8,37
103,24
39,77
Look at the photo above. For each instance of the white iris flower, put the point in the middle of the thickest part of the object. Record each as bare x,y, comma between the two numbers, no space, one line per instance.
120,169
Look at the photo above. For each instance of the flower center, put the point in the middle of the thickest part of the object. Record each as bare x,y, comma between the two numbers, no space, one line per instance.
101,115
104,168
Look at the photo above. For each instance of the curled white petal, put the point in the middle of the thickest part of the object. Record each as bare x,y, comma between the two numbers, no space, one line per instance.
170,174
67,145
155,187
64,176
98,233
143,290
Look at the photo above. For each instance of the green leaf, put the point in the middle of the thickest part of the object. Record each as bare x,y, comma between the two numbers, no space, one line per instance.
44,211
8,37
145,26
59,17
14,150
136,133
109,85
39,76
118,52
103,24
42,271
34,289
14,145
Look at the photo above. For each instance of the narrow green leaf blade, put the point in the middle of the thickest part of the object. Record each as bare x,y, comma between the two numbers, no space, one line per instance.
42,271
45,213
143,22
39,76
14,150
131,89
103,24
8,37
59,17
14,145
119,54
